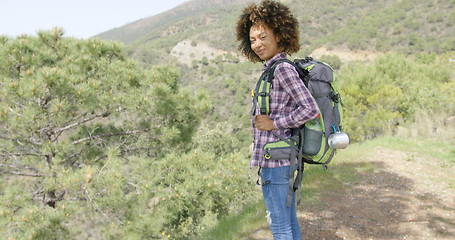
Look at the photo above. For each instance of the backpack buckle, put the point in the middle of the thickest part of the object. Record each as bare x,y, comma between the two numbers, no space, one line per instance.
335,97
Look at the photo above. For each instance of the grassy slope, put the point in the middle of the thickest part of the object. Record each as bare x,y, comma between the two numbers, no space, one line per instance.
161,22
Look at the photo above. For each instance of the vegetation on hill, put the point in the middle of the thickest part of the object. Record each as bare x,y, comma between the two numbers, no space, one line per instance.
406,26
147,26
394,90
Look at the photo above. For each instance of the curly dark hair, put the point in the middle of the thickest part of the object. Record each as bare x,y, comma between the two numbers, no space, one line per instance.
276,16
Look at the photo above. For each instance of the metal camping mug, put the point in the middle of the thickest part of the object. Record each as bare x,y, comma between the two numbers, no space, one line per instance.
339,140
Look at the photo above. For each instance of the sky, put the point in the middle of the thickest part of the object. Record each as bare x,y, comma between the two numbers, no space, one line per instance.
78,18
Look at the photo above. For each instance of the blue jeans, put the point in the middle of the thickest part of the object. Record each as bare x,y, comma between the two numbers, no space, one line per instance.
284,224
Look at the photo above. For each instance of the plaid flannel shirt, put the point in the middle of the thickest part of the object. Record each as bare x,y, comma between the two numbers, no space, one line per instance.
291,105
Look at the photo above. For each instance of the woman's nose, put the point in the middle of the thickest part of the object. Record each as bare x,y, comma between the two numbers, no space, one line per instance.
256,44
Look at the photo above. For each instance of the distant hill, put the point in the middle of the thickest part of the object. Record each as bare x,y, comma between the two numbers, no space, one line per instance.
133,31
406,26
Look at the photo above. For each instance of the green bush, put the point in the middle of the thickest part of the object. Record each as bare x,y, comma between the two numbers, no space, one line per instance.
381,95
194,189
333,60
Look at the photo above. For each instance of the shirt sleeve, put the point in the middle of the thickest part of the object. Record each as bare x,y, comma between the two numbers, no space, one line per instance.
307,109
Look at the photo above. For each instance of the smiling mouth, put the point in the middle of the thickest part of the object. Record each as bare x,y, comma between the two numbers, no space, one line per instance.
260,52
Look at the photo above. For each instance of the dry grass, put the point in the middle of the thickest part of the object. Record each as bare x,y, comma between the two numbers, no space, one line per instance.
429,124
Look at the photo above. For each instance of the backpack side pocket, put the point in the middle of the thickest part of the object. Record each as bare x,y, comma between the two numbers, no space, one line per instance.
312,141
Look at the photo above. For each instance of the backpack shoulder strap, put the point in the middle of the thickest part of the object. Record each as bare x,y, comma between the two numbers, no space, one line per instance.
275,64
262,89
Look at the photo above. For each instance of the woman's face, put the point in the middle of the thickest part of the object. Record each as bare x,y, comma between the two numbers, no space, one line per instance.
264,42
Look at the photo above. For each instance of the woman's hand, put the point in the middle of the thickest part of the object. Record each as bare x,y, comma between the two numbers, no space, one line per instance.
263,123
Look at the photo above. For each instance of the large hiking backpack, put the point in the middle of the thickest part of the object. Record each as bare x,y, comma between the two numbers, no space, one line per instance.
316,141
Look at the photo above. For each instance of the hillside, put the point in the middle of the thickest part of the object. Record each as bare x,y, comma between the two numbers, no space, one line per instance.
407,26
131,32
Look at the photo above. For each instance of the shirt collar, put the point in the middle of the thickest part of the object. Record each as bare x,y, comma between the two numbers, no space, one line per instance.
279,56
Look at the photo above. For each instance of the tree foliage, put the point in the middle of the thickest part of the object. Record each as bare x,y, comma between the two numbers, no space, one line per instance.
90,139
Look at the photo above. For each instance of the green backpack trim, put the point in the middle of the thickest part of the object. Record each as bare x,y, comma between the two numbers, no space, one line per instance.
264,99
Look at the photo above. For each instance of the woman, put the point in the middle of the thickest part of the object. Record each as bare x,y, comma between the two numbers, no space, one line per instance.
267,33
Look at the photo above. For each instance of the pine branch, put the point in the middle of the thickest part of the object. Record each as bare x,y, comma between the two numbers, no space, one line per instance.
97,208
106,135
17,172
138,149
105,114
24,174
11,139
12,154
19,141
74,155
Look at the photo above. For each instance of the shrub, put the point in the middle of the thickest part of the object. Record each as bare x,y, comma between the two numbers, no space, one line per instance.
81,127
379,96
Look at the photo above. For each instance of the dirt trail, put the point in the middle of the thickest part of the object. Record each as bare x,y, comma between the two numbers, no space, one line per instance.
405,198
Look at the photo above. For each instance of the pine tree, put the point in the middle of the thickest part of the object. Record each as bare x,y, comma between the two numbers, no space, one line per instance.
72,114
